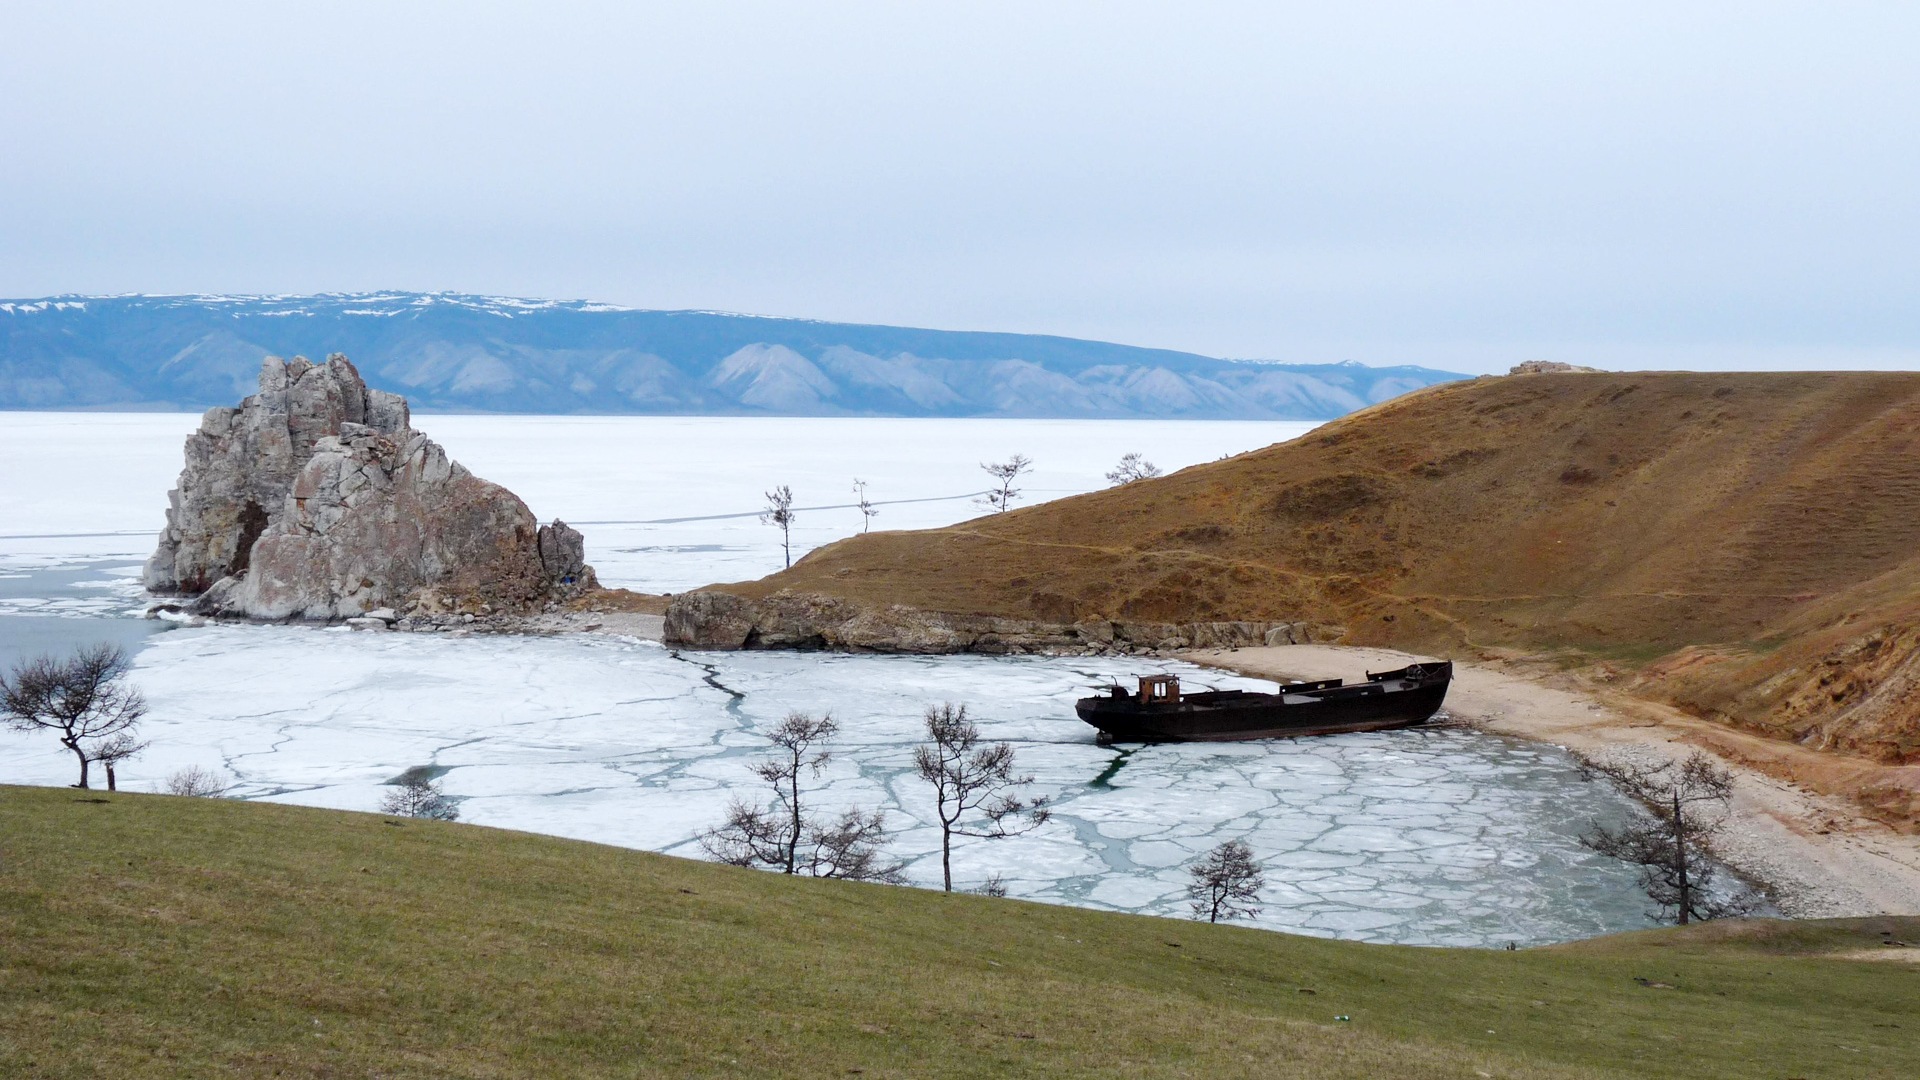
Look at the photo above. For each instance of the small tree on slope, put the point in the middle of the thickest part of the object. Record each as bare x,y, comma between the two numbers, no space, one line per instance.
1225,884
1687,802
418,795
969,777
113,750
779,512
196,782
1132,467
867,510
83,699
1005,473
784,835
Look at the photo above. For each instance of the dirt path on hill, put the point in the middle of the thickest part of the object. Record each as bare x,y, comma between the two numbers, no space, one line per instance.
1792,824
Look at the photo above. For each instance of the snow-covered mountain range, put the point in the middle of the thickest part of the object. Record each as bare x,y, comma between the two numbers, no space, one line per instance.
498,354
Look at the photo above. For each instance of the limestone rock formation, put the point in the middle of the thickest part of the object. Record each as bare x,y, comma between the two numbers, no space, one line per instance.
315,499
242,462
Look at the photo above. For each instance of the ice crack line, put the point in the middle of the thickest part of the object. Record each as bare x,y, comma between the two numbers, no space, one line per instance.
711,676
438,750
282,735
1104,781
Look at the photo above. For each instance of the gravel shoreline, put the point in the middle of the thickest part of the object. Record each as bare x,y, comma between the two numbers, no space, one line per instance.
1817,852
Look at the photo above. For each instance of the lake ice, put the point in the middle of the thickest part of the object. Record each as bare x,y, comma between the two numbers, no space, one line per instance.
1444,836
666,503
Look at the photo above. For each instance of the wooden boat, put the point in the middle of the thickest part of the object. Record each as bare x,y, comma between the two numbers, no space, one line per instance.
1159,712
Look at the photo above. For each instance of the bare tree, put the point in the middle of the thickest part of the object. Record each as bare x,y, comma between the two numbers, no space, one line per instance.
1005,473
1132,467
852,847
995,885
1687,802
1226,883
867,510
779,512
83,699
417,794
196,782
783,835
969,777
113,750
770,836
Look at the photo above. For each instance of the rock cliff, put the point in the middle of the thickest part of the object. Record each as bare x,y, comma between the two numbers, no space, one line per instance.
711,619
316,499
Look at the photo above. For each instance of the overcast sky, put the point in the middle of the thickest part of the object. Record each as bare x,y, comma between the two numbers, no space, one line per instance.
1458,185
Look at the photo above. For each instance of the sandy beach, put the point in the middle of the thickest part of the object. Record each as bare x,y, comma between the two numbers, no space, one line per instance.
1791,825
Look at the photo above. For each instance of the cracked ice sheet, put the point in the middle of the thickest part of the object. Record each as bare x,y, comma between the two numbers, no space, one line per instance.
622,742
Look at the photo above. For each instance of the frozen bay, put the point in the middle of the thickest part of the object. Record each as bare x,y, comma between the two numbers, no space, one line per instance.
1442,836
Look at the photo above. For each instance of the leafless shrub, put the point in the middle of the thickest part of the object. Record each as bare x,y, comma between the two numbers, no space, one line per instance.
196,782
779,512
867,510
1132,467
417,794
969,777
1005,473
113,750
995,885
1226,883
83,699
852,846
1686,803
784,835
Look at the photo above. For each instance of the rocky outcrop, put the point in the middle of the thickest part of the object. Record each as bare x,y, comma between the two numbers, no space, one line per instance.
241,464
563,554
316,499
1852,688
708,619
1545,367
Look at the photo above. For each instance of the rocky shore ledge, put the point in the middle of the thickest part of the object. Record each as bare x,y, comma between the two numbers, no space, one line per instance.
711,619
315,499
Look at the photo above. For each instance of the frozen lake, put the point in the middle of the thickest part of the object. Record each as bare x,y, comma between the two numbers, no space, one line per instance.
666,503
1443,836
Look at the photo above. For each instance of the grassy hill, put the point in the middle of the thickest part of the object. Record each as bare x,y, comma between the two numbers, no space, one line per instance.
1746,545
146,936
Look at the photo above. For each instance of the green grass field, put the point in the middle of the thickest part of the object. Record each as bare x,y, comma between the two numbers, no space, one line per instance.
144,936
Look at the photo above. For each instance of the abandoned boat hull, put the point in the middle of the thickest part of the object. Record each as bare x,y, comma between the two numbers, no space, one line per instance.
1385,701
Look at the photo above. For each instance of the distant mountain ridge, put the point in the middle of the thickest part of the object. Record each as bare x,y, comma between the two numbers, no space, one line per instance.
462,352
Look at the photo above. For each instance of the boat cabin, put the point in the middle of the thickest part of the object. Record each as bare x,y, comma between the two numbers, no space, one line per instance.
1159,689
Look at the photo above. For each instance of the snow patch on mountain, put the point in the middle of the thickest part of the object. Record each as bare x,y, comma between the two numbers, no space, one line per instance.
473,352
774,378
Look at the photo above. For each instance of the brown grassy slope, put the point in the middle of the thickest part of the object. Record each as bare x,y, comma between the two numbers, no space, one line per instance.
1753,538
